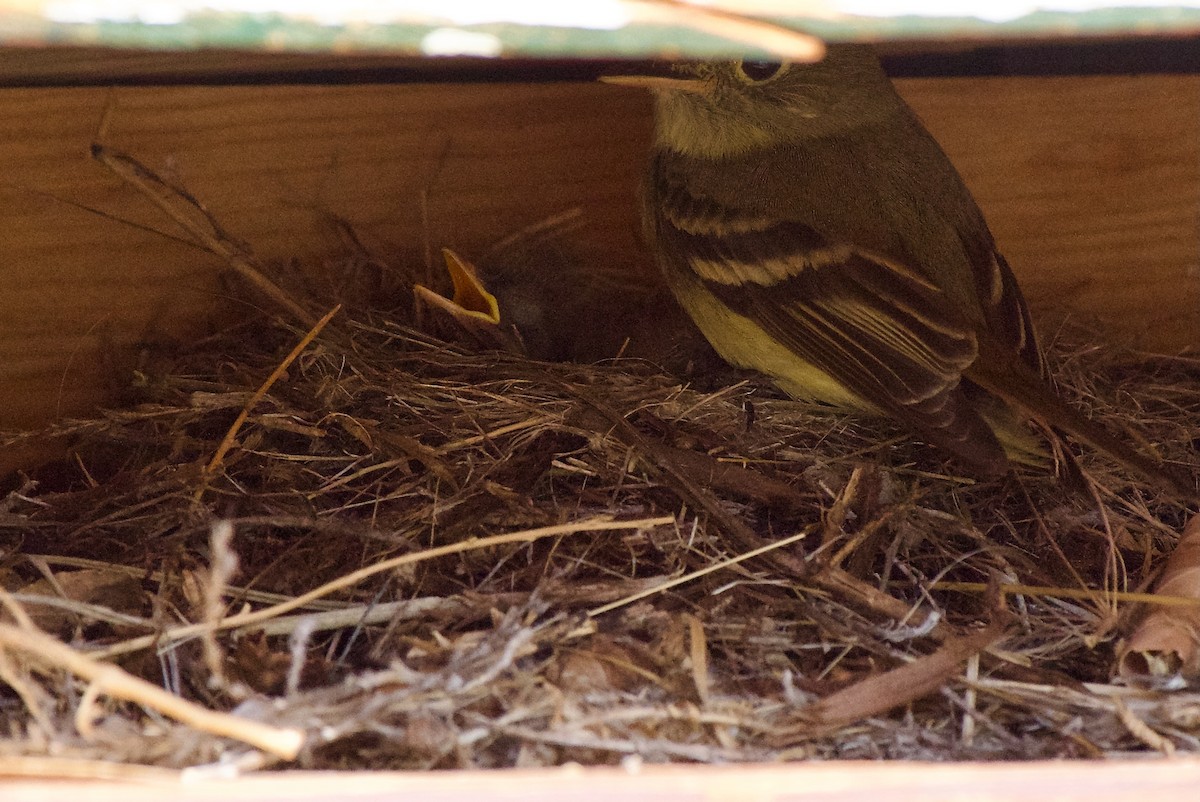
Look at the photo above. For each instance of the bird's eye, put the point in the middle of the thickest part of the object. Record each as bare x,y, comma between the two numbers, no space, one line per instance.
757,72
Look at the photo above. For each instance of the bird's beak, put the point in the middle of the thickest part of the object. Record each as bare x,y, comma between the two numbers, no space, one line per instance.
662,83
473,310
469,293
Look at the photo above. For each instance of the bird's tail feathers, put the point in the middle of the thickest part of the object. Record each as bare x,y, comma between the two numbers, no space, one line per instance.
1017,384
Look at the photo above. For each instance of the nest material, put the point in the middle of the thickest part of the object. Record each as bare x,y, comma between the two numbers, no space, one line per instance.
689,640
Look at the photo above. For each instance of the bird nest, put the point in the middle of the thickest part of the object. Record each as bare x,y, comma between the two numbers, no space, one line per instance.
351,544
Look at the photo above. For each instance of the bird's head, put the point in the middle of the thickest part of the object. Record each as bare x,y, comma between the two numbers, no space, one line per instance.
720,109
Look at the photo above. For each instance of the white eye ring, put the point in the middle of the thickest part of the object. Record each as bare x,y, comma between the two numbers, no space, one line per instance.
759,72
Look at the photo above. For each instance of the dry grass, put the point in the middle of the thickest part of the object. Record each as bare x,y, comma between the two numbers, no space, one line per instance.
636,606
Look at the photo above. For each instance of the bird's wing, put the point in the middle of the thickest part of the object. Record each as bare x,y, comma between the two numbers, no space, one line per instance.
877,326
1006,314
887,189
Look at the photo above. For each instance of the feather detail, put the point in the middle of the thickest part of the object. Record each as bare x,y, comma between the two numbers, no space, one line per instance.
876,331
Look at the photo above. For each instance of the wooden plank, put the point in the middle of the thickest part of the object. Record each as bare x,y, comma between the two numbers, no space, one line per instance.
1092,188
1090,183
39,66
835,781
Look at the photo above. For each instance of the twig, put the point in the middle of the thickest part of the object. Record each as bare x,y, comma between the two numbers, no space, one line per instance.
708,569
284,743
231,435
881,692
62,768
728,24
192,217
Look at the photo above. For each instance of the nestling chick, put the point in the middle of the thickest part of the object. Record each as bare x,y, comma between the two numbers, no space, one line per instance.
538,294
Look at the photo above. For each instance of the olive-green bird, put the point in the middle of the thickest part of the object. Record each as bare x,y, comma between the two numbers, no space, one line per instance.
817,233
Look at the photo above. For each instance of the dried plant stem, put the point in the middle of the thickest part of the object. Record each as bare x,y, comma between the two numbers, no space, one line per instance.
231,435
881,692
1086,594
1141,730
111,680
136,572
842,584
349,580
708,569
192,217
61,768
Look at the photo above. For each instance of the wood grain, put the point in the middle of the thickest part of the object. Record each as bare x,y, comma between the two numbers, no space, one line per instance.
1092,188
1091,185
